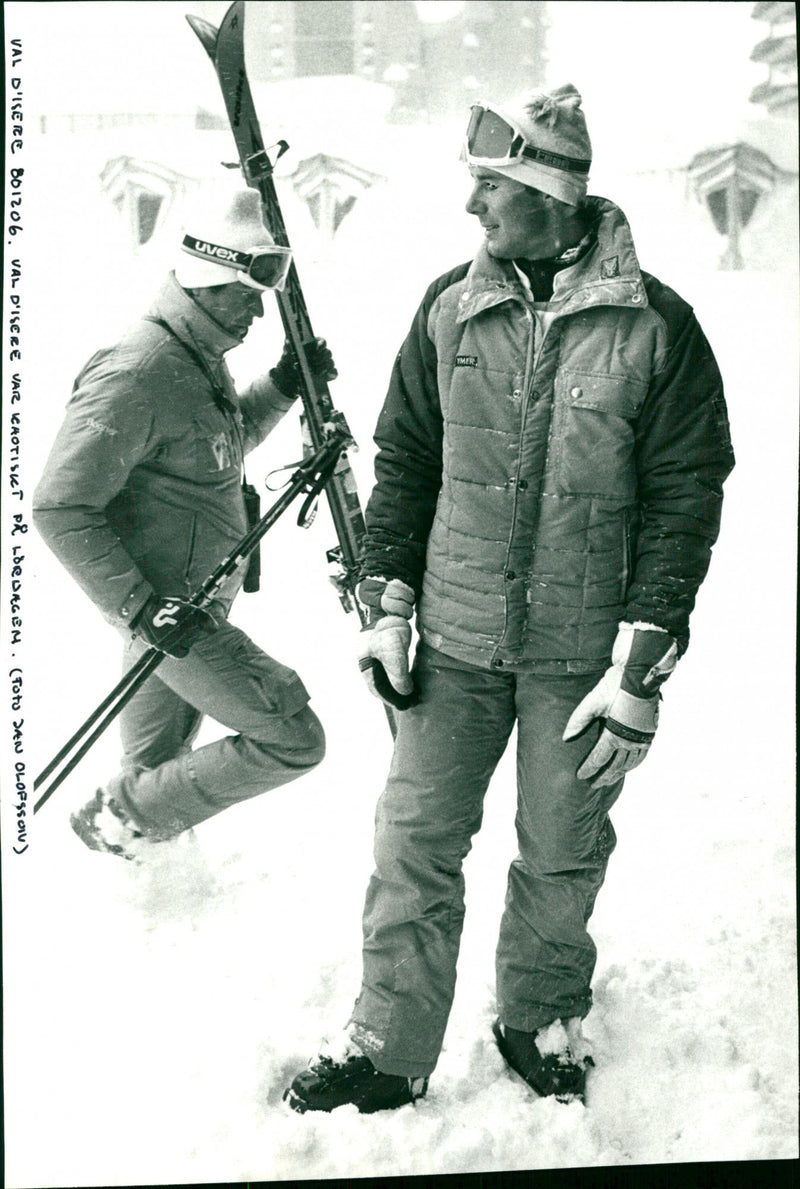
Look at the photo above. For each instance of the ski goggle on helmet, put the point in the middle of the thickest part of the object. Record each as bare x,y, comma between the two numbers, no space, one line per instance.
264,267
492,139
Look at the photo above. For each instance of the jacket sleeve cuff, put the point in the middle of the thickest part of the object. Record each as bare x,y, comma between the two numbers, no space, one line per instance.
134,603
263,391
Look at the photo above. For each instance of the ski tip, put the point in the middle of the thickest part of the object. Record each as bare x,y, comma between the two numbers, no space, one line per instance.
206,32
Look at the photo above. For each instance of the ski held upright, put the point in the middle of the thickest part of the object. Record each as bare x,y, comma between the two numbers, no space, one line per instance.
225,48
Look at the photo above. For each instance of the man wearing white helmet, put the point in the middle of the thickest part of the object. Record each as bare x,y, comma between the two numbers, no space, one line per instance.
550,463
142,498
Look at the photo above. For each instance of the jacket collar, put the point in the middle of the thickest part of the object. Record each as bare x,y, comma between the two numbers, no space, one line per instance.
191,324
608,274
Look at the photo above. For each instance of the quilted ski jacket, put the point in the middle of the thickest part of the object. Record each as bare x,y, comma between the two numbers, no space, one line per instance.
142,489
536,494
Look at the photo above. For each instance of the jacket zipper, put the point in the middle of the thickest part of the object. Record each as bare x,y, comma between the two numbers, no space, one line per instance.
626,553
190,552
527,387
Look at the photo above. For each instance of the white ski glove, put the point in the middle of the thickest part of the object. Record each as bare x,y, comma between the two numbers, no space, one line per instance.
385,640
626,698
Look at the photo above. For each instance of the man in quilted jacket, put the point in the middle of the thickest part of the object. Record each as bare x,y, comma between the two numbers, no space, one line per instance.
142,498
551,454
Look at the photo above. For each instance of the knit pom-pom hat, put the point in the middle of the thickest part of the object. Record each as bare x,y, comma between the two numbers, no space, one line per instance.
552,121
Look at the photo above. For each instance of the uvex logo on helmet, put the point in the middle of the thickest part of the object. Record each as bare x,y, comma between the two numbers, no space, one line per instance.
214,251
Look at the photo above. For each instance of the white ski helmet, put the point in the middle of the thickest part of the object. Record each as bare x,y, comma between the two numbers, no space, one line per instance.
222,227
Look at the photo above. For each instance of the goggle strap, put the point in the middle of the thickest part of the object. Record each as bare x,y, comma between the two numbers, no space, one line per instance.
216,253
519,147
556,160
229,257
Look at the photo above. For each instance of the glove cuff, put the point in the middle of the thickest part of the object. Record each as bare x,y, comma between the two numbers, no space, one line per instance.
646,655
379,597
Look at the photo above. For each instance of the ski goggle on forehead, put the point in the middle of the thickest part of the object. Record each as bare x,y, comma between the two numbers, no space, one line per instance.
494,140
260,268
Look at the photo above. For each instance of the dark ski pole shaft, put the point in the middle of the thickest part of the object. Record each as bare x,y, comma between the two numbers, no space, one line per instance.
311,476
225,48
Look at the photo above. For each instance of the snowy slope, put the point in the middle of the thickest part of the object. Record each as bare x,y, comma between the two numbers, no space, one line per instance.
177,1002
154,1016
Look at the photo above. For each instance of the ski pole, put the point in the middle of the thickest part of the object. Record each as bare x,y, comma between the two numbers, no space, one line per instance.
129,677
310,477
113,704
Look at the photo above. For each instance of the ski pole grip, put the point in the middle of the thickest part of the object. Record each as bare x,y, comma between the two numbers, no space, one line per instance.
384,686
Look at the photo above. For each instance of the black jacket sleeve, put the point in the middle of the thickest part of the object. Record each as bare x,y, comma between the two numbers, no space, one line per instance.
408,465
684,454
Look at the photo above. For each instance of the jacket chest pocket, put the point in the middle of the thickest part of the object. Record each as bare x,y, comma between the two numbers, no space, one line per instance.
207,451
595,434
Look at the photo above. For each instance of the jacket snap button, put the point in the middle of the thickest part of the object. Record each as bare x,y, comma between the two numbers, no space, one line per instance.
523,483
511,574
576,392
497,664
637,297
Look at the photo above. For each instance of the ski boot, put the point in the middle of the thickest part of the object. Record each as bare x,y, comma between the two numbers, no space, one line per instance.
553,1060
103,826
349,1077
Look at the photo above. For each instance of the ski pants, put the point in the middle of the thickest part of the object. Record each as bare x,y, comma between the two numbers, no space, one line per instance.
446,750
164,785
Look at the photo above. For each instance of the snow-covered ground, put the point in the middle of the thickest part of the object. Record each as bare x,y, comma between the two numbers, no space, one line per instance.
154,1015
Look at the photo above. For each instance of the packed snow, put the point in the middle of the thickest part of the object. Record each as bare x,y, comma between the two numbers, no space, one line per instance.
155,1013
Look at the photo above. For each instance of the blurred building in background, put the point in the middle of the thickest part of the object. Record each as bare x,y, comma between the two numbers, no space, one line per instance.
434,66
779,51
369,92
745,183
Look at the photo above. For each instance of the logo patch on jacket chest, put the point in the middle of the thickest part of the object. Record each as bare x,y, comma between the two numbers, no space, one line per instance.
466,360
609,268
221,449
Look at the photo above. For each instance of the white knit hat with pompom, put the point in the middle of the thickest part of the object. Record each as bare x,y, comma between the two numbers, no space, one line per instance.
552,121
